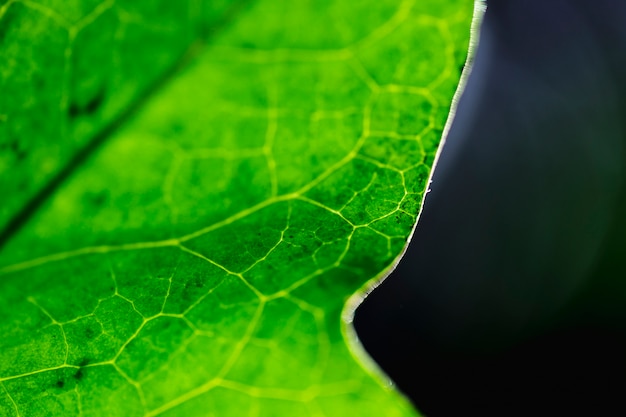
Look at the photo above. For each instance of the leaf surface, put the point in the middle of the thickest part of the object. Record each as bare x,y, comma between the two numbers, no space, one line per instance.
68,69
199,261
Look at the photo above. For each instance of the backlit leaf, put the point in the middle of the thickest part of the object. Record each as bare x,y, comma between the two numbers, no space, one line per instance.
199,260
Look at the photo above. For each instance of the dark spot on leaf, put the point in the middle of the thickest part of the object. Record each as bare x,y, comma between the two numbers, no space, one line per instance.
73,111
79,374
60,383
94,104
90,107
177,127
15,148
21,155
89,333
97,199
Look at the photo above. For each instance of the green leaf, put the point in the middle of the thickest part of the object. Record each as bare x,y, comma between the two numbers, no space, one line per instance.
70,68
199,260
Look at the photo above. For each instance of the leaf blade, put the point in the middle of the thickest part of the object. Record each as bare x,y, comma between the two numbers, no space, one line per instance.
234,247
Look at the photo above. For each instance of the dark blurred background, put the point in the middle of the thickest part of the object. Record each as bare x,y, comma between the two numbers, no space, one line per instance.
511,299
